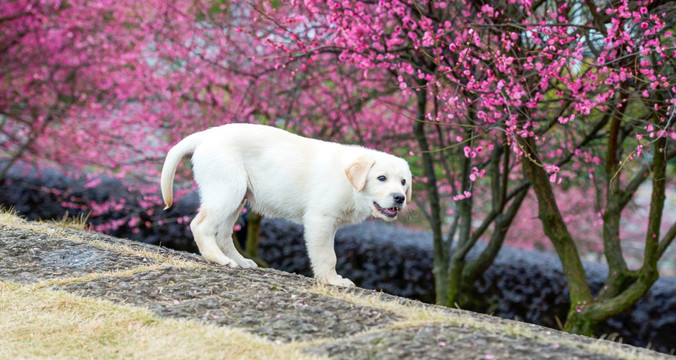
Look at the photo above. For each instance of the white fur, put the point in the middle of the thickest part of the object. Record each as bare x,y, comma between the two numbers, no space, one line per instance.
319,184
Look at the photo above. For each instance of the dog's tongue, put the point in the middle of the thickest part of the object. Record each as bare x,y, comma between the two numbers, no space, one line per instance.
390,211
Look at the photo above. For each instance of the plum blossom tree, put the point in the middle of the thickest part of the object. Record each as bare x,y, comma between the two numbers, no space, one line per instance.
630,70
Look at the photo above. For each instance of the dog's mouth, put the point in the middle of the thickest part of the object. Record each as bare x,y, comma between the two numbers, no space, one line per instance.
389,212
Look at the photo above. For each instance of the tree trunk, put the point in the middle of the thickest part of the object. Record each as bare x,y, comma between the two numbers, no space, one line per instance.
557,232
440,256
457,262
253,231
577,323
619,276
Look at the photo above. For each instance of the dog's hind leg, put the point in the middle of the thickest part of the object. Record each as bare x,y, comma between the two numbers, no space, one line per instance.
222,183
204,230
225,240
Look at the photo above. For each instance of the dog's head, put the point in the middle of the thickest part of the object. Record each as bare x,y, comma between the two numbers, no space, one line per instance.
384,181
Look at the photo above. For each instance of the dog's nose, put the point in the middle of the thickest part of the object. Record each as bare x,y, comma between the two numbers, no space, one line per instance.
399,198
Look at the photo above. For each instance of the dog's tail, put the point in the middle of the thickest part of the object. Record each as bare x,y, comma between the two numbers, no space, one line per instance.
174,156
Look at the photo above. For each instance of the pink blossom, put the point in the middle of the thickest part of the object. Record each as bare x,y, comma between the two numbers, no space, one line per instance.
487,9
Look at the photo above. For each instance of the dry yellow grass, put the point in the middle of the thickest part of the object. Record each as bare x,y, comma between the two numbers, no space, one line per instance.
38,323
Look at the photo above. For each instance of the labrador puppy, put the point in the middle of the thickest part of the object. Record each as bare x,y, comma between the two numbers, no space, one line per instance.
318,184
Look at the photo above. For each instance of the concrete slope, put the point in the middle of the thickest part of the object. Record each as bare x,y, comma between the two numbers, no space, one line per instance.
275,307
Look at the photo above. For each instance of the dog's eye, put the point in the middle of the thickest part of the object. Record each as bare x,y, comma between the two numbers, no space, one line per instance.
403,181
382,178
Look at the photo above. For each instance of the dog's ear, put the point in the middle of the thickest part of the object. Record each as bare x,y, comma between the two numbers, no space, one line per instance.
358,172
409,193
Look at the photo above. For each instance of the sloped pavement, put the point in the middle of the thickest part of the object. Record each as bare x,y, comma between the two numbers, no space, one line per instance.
281,307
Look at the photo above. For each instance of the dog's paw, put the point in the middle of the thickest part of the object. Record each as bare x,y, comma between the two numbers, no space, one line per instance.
222,260
248,264
341,281
229,263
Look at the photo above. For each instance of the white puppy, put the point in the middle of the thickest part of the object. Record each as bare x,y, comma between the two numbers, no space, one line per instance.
318,184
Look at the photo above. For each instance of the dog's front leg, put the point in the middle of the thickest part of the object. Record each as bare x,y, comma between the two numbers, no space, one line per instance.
319,234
